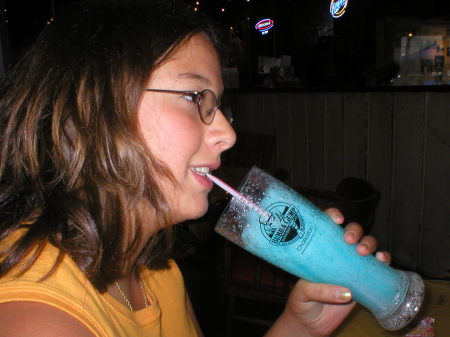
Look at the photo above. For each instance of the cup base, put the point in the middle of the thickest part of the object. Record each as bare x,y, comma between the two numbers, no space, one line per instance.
410,306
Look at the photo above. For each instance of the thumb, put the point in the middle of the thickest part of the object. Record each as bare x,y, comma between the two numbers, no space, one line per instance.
320,292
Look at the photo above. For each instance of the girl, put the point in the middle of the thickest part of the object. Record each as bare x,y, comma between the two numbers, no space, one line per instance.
108,124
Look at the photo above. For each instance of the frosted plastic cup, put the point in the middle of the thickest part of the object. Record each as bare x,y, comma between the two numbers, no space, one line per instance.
288,231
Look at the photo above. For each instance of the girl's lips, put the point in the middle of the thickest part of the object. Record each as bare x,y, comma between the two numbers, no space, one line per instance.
202,179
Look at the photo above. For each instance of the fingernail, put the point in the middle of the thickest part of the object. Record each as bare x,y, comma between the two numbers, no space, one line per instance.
338,218
344,295
351,235
364,246
380,256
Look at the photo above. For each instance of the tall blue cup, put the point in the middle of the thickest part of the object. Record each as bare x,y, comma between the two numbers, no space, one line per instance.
290,232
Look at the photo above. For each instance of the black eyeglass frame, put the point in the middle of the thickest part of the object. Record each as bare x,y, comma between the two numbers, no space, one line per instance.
197,98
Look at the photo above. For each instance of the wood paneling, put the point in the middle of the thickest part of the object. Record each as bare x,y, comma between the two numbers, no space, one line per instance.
299,142
379,160
407,177
435,230
398,141
334,162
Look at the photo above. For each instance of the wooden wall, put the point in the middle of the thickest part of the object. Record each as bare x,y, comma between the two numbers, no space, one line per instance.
398,141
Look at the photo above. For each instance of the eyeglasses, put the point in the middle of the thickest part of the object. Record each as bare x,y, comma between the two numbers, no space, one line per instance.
206,100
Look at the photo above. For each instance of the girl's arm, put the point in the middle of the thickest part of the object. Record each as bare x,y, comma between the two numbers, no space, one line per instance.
33,319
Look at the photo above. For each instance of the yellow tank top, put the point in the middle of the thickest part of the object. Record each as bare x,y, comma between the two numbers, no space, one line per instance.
68,289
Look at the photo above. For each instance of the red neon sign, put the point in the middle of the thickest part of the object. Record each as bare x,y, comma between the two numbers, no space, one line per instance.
264,25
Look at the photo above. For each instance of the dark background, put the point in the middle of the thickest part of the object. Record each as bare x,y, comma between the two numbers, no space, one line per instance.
324,51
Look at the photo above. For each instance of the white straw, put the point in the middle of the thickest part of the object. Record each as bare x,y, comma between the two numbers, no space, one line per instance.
238,195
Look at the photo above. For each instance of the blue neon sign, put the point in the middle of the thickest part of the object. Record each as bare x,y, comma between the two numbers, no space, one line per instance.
338,7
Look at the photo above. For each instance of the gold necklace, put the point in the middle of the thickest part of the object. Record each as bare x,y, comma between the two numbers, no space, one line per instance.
127,301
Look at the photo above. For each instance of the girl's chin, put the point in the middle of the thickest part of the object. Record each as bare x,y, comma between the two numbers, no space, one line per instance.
193,213
198,214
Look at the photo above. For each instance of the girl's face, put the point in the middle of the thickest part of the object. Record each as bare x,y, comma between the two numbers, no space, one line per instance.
172,128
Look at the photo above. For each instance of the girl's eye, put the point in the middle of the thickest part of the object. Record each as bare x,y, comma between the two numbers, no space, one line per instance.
191,97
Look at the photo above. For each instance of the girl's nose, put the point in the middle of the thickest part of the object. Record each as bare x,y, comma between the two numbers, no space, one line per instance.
223,135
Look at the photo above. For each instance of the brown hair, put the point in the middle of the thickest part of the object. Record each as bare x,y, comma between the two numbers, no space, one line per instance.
72,161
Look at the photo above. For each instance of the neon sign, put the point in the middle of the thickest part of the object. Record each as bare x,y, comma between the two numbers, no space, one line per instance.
264,25
337,8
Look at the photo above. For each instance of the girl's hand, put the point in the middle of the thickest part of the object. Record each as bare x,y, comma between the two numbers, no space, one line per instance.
354,232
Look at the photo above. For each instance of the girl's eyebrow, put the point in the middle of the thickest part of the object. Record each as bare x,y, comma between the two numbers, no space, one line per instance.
195,76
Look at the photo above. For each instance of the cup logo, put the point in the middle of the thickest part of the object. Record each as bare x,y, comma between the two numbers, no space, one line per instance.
285,225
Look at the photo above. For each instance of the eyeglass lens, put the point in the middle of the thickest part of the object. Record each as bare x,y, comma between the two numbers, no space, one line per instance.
208,105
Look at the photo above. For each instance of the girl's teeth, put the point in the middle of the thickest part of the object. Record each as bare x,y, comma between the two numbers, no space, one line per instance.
201,170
